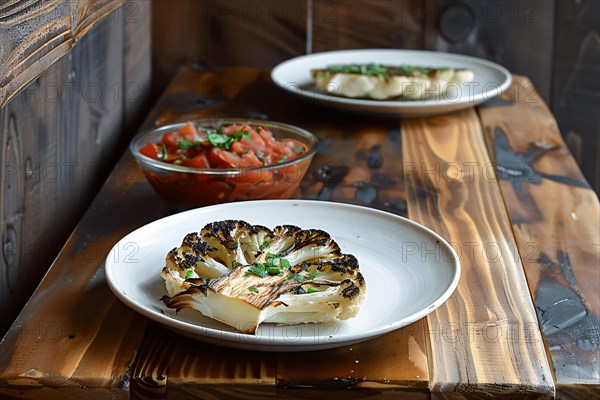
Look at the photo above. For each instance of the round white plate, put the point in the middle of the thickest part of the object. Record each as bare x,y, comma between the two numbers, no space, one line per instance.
409,271
490,80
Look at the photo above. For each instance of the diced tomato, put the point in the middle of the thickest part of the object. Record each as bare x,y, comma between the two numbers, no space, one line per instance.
270,141
250,160
214,159
231,160
188,132
170,140
150,150
199,161
239,148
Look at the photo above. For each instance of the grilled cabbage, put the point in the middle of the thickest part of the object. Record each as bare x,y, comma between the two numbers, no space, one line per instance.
244,275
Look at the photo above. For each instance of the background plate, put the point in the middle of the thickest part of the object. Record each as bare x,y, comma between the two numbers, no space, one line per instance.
409,271
490,80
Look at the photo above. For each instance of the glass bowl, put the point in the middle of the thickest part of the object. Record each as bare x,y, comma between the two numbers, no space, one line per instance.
189,187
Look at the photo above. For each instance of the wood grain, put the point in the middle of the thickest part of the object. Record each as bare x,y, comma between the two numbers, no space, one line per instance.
485,339
137,70
340,25
36,33
170,365
212,33
557,234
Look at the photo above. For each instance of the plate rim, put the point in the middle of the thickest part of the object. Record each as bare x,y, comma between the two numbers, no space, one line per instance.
394,105
237,339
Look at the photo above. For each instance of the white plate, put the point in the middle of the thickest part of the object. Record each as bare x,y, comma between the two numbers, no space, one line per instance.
409,271
490,80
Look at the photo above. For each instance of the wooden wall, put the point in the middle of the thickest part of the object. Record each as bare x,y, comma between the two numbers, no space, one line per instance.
75,74
555,43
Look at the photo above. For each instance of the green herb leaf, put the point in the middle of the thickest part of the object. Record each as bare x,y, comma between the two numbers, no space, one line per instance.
274,270
257,269
264,245
312,290
233,245
313,275
221,141
187,144
189,274
298,149
285,264
253,289
165,154
241,134
273,262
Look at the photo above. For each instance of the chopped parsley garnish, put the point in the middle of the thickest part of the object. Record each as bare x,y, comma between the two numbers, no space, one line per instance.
165,154
223,141
282,158
381,71
187,144
274,270
313,275
312,290
233,245
257,269
273,262
189,274
285,264
298,149
253,289
241,135
220,140
264,245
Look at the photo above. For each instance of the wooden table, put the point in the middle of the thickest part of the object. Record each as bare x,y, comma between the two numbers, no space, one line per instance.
496,181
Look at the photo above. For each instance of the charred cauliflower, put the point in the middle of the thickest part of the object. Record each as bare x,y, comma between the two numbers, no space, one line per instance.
244,275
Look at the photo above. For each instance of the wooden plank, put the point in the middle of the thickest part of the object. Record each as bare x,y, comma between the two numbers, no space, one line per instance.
136,16
55,168
555,217
359,24
485,340
169,365
392,365
50,28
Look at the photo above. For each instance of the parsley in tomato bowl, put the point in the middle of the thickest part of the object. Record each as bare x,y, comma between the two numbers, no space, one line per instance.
211,161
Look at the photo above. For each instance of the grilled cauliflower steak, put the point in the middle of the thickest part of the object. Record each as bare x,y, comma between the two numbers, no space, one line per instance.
244,275
373,81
